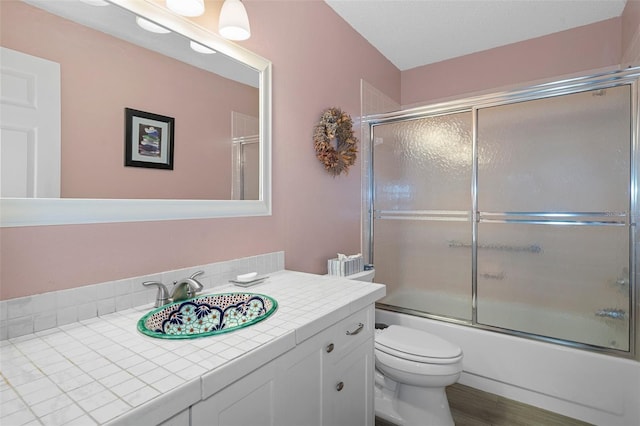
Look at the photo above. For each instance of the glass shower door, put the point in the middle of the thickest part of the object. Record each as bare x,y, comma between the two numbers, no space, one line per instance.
422,213
553,189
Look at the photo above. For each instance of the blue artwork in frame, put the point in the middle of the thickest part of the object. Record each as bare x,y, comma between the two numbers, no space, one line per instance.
148,140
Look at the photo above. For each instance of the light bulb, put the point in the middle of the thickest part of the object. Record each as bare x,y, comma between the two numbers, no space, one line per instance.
186,7
150,26
234,22
200,48
96,2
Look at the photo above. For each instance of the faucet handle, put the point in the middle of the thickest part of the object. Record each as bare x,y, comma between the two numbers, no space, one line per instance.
193,277
162,297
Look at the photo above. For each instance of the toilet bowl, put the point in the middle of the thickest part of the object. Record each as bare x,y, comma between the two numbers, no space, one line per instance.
412,369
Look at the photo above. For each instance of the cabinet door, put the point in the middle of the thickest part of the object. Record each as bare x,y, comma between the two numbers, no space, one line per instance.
349,388
299,386
180,419
249,401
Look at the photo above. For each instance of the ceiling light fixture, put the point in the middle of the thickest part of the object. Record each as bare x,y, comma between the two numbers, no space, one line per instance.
200,48
96,2
186,7
150,26
234,22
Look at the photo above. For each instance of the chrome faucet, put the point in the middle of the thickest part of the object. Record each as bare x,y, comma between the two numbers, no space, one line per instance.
183,289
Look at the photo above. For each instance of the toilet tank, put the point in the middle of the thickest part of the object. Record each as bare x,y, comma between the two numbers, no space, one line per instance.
363,276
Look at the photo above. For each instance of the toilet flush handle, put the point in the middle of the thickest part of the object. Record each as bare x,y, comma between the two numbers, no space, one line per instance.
356,331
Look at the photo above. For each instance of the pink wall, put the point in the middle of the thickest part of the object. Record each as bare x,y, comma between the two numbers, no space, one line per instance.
577,50
95,93
318,61
631,33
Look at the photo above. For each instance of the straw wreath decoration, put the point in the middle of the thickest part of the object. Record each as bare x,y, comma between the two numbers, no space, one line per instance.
334,141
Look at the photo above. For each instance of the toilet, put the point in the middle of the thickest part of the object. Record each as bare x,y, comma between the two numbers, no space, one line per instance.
412,369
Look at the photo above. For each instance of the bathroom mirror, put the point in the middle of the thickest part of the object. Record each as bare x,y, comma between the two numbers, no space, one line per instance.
231,62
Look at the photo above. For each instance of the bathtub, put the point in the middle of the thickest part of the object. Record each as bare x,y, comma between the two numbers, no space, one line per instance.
560,324
592,387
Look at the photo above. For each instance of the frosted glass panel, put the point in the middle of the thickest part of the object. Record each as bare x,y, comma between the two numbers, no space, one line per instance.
567,282
424,265
567,153
424,164
250,171
551,257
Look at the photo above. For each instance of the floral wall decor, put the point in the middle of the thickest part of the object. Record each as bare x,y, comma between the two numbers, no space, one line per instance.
334,142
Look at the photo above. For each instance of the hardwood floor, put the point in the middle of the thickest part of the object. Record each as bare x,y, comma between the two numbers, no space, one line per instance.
473,407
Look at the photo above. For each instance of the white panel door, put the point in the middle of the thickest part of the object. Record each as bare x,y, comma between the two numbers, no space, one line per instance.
29,126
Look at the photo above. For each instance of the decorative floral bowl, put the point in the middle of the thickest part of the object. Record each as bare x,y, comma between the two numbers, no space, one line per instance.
207,315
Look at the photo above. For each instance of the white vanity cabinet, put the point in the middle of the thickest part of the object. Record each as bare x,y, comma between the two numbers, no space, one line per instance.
348,372
180,419
349,388
250,401
326,379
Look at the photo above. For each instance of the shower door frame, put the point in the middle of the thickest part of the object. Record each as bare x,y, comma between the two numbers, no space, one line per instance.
630,77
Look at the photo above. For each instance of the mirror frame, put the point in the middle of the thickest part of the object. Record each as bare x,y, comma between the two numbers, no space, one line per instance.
15,212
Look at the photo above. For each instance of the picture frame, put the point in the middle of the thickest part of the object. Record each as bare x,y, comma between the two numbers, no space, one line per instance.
148,140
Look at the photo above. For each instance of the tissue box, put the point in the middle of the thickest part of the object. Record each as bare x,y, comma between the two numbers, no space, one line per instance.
345,267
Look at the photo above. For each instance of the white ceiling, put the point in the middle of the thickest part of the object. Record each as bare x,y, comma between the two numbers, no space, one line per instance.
411,33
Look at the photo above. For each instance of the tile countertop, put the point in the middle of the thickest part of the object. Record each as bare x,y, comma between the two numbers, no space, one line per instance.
103,371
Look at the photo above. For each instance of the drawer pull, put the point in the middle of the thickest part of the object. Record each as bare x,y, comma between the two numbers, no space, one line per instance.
356,331
339,386
330,347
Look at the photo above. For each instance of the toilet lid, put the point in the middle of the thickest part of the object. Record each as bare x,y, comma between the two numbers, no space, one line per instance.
400,339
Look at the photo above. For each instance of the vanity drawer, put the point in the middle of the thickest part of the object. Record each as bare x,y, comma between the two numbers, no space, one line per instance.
349,333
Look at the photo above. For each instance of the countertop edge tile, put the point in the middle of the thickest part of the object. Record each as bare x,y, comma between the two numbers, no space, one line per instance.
325,321
215,380
161,407
360,303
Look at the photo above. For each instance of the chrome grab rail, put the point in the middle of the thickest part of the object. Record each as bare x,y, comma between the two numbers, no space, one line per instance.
449,215
557,218
534,218
613,313
533,248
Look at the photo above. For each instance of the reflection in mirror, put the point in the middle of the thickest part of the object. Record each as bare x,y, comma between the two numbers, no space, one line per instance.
116,64
218,97
246,157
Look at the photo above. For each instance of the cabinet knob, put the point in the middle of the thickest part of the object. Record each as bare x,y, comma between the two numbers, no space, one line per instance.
340,386
330,347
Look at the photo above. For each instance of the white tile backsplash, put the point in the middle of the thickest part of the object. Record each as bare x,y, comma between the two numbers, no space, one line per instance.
67,315
44,320
19,307
41,312
106,306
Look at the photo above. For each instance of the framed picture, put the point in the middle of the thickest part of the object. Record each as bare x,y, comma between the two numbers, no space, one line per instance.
148,140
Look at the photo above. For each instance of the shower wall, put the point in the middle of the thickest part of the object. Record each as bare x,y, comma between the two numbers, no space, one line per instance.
511,214
245,157
372,101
